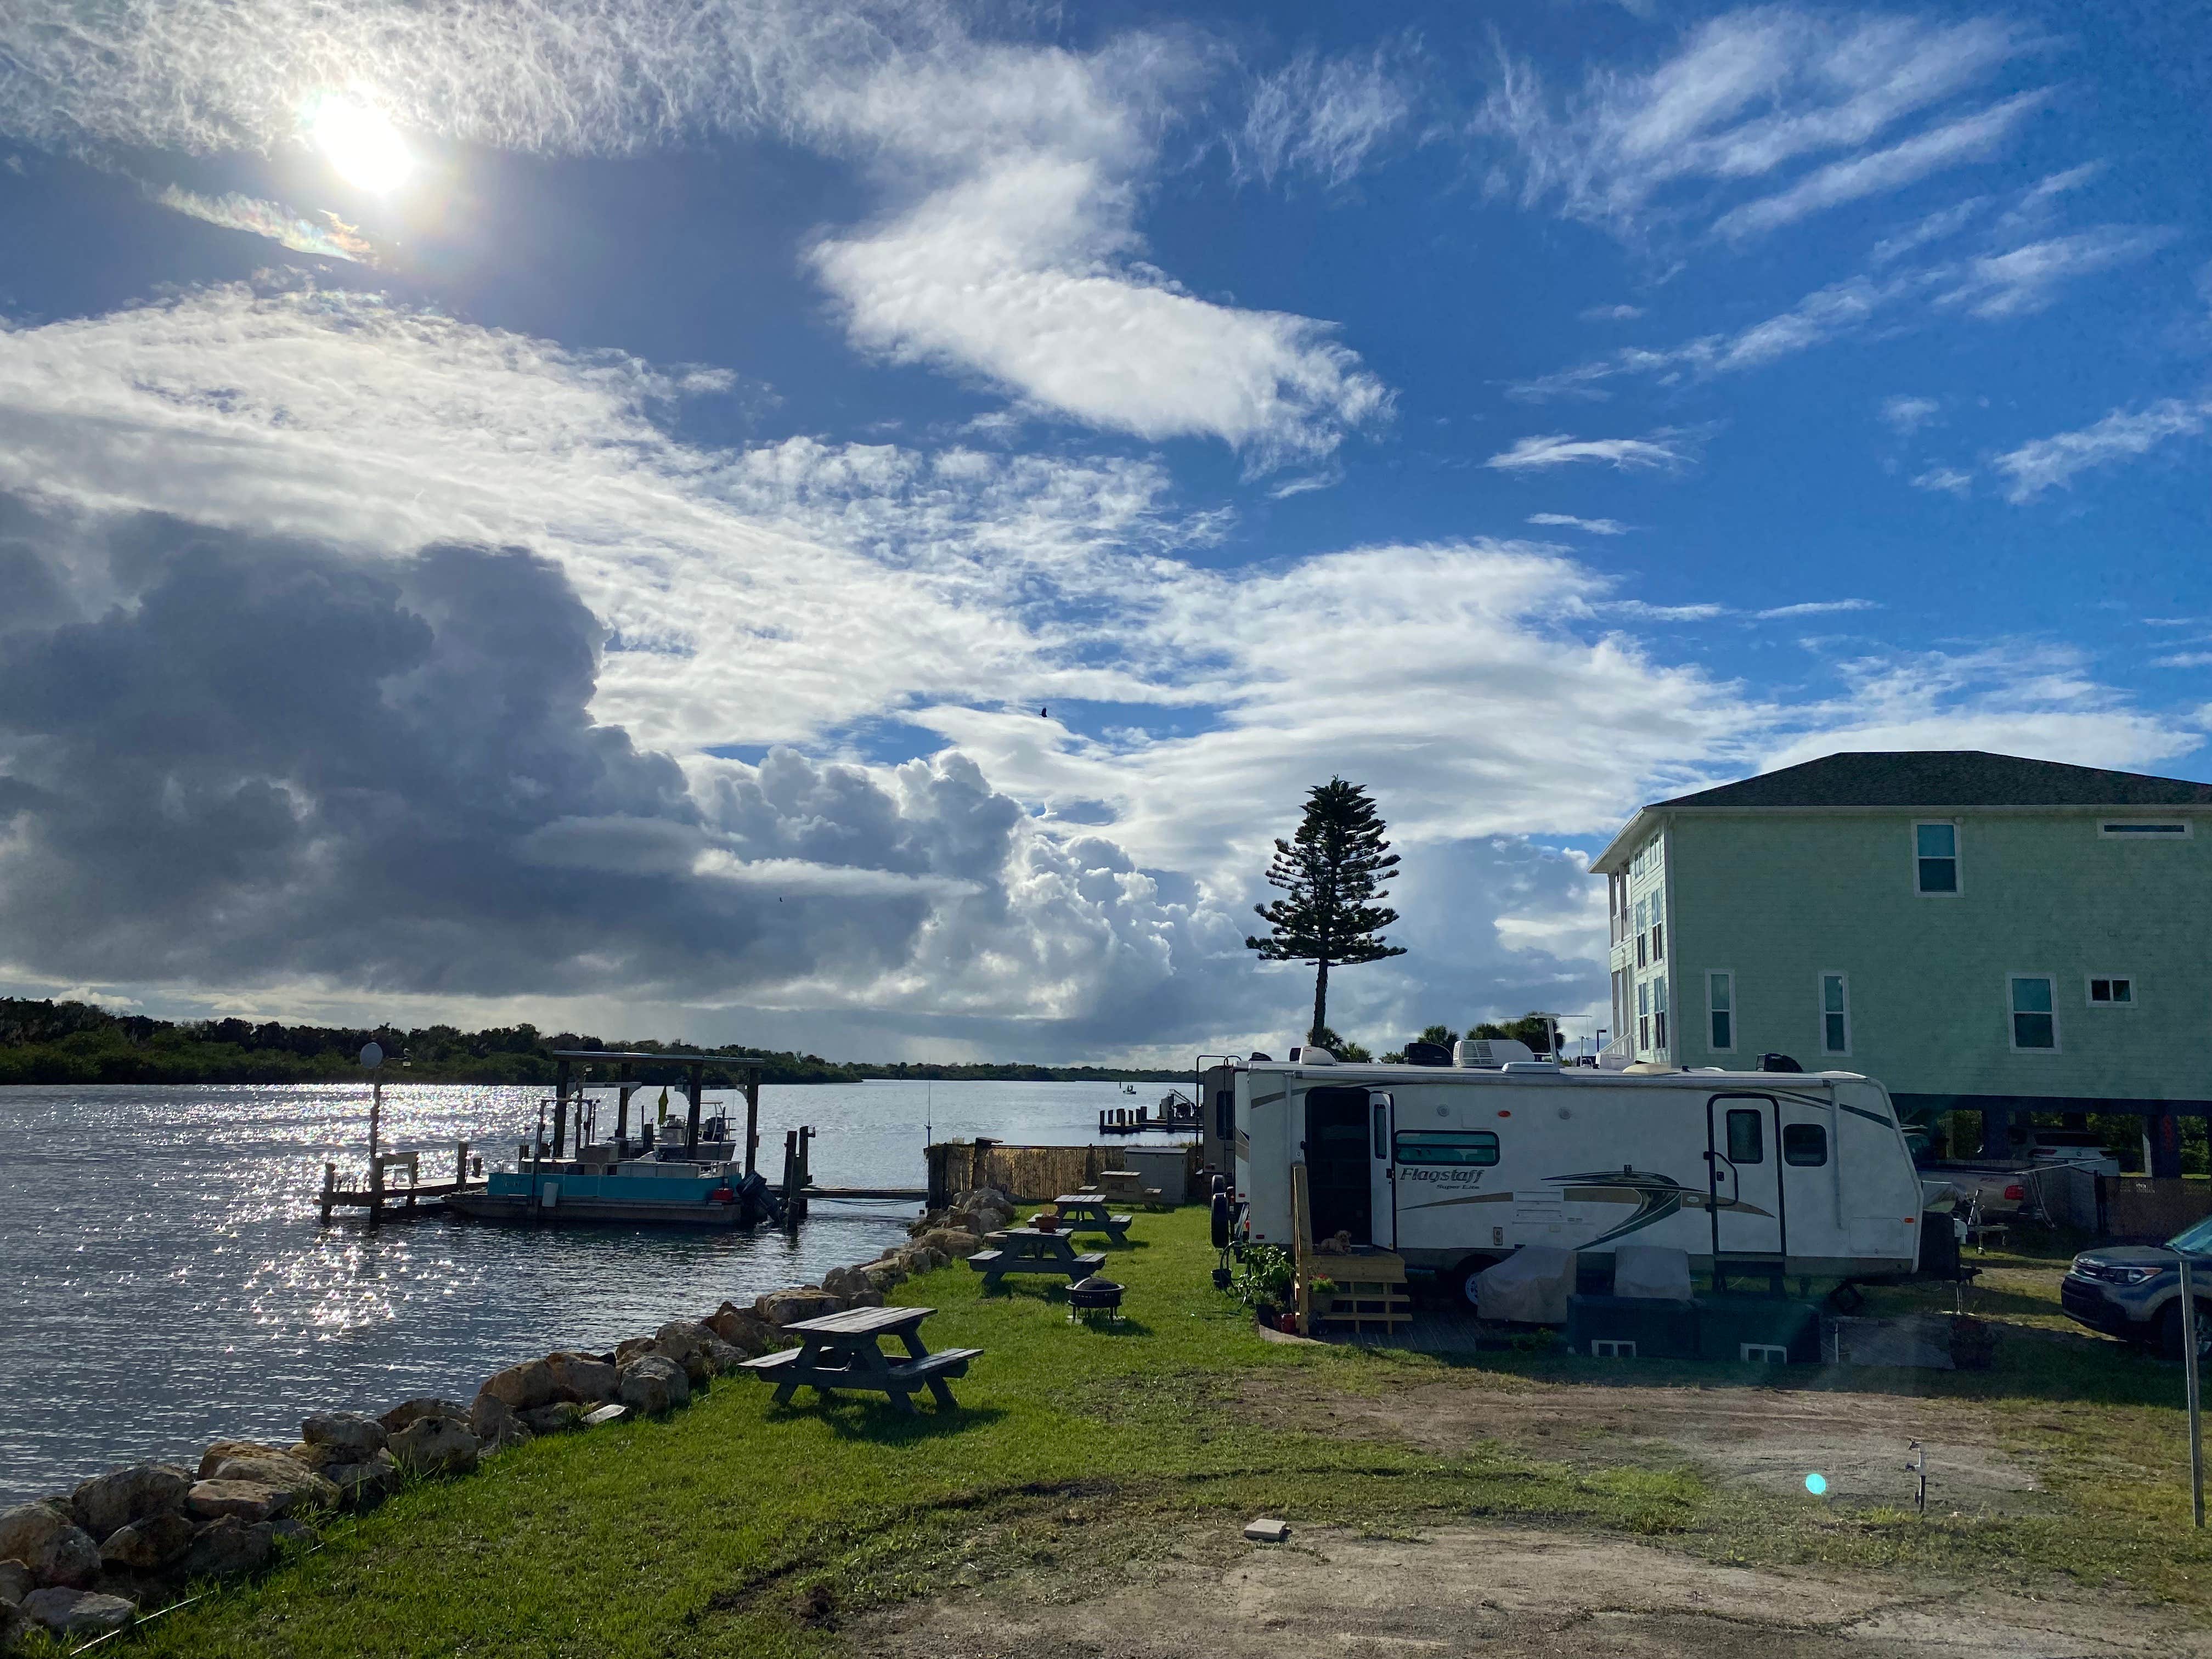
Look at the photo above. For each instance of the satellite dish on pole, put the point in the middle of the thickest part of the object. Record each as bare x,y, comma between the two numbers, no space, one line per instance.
372,1055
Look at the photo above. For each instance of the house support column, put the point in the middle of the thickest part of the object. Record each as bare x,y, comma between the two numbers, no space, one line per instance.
2164,1129
1997,1133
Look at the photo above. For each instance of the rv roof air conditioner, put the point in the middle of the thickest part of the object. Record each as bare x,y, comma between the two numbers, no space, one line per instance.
1309,1054
1490,1053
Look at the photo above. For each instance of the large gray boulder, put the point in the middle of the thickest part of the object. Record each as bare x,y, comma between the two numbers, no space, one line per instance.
223,1451
493,1422
744,1330
413,1411
16,1582
122,1495
286,1473
553,1418
349,1433
436,1445
522,1388
229,1545
247,1501
44,1538
652,1384
77,1613
149,1545
583,1378
690,1346
360,1485
782,1307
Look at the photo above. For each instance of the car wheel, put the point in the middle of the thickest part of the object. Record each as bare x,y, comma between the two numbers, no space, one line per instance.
2169,1330
1460,1283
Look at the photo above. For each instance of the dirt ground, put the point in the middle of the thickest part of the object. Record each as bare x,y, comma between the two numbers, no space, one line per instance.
1767,1439
1502,1594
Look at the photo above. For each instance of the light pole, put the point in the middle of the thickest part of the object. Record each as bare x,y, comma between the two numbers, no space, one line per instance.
371,1056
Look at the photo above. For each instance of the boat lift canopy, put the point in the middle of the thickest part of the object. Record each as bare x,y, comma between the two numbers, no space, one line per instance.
695,1068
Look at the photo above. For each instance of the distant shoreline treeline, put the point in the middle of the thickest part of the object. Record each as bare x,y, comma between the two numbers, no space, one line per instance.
79,1043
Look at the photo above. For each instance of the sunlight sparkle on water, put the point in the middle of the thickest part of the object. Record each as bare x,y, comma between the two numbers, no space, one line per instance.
364,148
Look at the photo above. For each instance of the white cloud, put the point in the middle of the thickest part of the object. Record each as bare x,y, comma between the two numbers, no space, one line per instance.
1938,226
1644,612
328,235
1568,521
1327,116
2049,463
1010,174
1619,313
1907,415
1749,97
1663,451
1973,137
1948,479
2024,280
2184,660
1814,608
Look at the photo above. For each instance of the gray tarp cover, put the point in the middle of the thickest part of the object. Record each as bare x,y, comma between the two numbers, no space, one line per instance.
1532,1285
1651,1270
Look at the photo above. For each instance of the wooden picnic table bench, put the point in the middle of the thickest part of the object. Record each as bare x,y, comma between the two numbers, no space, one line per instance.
1027,1250
1087,1213
843,1351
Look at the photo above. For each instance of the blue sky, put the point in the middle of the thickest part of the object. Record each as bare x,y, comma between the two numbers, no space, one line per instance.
573,511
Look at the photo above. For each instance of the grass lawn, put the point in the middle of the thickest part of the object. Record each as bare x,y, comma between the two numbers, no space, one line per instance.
735,1526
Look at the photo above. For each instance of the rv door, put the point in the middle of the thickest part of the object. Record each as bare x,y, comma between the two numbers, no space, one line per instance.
1744,1188
1381,1175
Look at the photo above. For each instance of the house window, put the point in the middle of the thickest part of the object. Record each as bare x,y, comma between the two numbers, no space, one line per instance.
1935,858
1720,1012
2146,829
1643,1013
1804,1145
2110,992
1658,931
1659,1014
1835,1014
1747,1137
2034,1019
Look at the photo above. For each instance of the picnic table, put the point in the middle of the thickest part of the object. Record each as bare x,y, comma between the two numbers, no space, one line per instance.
1029,1251
843,1351
1087,1213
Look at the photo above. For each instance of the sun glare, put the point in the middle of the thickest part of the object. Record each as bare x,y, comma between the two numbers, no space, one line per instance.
366,148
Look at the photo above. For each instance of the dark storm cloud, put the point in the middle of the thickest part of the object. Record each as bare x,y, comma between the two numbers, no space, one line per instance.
265,760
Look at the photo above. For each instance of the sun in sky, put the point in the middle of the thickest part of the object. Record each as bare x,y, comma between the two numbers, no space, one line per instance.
365,148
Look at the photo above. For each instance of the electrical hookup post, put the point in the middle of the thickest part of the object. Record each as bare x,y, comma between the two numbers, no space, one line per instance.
2189,1370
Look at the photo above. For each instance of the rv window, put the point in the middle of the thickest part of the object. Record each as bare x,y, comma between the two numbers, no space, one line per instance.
1747,1136
1224,1113
1805,1145
1381,1130
1475,1146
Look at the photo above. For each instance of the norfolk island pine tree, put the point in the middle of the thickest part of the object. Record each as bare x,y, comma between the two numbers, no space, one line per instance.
1330,872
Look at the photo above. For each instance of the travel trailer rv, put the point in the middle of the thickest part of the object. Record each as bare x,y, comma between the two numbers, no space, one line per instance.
1456,1167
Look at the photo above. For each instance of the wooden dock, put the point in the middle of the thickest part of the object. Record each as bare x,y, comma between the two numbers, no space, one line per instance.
385,1201
915,1194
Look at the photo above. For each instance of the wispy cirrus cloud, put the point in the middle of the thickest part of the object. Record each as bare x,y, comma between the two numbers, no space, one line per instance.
330,236
1329,117
2052,463
1948,480
2021,280
1569,521
1906,414
1749,98
1666,450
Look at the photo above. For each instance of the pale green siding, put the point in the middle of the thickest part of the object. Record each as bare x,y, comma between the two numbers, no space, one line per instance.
1780,898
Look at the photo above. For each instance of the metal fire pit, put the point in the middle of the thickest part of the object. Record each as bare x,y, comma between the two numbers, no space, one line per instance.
1094,1295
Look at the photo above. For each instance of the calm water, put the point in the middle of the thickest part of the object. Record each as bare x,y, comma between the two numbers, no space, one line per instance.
164,1281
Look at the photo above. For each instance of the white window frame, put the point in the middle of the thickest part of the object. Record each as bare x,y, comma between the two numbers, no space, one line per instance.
1727,974
2109,829
1820,1011
1661,1006
1957,858
2012,1031
2089,1002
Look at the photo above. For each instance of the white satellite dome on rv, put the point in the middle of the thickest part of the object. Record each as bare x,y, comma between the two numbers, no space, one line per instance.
1454,1168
